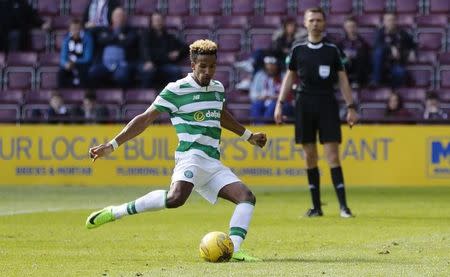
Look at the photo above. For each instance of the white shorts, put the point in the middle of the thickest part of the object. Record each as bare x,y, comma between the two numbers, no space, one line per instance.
209,176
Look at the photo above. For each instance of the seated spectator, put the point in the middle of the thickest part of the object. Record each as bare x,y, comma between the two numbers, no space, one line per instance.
393,48
264,91
160,53
57,112
356,52
118,44
284,38
98,13
90,111
17,18
76,55
433,110
395,107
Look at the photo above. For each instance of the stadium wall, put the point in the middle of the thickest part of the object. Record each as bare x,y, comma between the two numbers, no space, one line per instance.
371,155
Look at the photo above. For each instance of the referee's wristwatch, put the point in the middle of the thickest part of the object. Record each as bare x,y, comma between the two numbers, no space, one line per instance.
351,106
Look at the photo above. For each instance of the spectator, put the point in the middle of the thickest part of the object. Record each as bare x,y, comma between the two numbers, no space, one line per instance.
433,110
118,55
264,91
57,112
395,107
76,55
160,52
393,48
90,111
98,13
17,18
357,54
283,39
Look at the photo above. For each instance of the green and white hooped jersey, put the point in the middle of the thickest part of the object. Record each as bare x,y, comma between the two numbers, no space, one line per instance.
195,113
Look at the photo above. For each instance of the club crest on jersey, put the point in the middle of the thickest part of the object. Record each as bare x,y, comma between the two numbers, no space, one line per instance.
188,174
324,71
217,96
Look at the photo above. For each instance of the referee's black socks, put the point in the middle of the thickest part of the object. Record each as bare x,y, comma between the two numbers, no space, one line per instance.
338,182
314,186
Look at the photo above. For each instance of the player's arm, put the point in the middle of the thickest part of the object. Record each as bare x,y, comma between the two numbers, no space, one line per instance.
286,87
135,127
352,116
228,122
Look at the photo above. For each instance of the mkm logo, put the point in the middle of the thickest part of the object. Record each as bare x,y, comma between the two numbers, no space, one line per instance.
439,157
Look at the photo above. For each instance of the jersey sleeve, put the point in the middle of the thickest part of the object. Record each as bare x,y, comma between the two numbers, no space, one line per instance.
292,59
165,101
339,60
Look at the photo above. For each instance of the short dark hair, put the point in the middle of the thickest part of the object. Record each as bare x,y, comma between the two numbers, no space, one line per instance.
75,21
350,18
432,95
316,10
202,47
90,95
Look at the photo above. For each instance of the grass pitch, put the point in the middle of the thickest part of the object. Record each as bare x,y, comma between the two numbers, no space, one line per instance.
397,232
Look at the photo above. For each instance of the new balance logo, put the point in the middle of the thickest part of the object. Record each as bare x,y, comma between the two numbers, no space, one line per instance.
196,97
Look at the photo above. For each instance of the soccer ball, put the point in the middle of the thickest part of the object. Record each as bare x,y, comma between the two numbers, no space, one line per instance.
216,247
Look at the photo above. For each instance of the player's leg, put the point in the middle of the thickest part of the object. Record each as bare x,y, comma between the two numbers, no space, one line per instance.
332,155
153,201
245,200
312,171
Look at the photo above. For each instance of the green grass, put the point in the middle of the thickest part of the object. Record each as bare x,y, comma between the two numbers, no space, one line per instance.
397,232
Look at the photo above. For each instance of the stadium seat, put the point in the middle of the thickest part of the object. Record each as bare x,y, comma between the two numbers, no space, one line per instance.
275,7
240,111
178,7
431,39
303,5
145,7
109,96
9,113
335,34
192,35
226,58
378,94
341,7
212,7
21,59
19,78
38,96
372,111
444,77
140,96
46,59
406,20
39,40
265,21
412,93
336,20
229,40
57,39
72,96
199,22
35,112
437,20
407,6
225,75
77,7
444,58
238,96
139,21
50,7
439,6
243,7
369,20
47,77
61,22
260,38
129,111
444,95
11,96
370,6
174,23
421,75
232,21
368,34
426,57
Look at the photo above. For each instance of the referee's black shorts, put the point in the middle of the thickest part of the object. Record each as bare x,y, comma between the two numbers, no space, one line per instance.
317,114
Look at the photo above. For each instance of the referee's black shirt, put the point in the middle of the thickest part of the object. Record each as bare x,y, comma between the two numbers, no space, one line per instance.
316,65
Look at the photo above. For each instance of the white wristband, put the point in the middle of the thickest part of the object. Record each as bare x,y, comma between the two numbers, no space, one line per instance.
114,144
246,135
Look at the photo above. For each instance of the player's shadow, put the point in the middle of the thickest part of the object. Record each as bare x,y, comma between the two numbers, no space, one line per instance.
324,261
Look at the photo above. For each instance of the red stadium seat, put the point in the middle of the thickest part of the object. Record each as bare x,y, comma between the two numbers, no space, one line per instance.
178,7
238,96
139,21
77,7
421,75
21,59
336,20
444,77
50,7
243,7
72,96
58,38
407,6
200,22
431,39
341,7
368,34
39,40
378,94
412,94
260,38
47,77
444,58
240,111
38,97
444,95
226,58
140,96
174,23
303,5
230,39
9,113
335,34
109,96
35,112
266,22
192,35
370,6
372,111
437,20
275,7
13,96
224,74
61,22
212,7
426,57
145,7
232,21
439,6
19,77
369,20
46,59
129,111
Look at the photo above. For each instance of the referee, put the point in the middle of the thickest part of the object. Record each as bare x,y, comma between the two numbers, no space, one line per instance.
318,65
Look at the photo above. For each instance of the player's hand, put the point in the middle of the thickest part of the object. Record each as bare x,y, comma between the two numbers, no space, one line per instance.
278,114
259,139
352,117
99,151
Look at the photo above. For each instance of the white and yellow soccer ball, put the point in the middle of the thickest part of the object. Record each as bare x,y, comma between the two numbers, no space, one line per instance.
216,247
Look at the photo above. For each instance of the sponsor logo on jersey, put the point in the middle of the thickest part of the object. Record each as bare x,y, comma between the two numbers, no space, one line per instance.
324,71
200,116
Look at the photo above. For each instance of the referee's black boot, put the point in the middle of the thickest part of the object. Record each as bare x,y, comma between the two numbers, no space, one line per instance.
313,213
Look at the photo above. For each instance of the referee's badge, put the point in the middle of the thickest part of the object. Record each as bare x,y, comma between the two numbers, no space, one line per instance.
324,71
